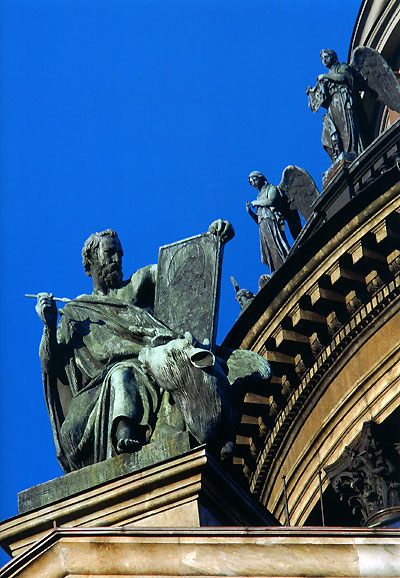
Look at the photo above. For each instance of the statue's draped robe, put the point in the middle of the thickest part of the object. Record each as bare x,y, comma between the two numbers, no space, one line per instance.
341,125
273,243
99,338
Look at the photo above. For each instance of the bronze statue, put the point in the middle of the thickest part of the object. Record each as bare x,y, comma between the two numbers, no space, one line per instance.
99,400
345,128
274,245
243,296
110,367
275,205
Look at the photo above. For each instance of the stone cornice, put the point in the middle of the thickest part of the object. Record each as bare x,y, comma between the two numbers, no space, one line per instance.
338,351
266,552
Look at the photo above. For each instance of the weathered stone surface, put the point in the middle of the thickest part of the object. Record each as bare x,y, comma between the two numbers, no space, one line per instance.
75,482
191,490
226,552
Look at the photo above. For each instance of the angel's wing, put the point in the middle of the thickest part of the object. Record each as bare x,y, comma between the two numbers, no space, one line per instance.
378,75
300,190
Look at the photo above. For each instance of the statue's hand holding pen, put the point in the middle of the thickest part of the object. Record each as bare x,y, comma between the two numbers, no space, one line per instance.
46,308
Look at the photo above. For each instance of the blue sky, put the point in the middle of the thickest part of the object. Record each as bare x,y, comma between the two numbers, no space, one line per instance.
147,117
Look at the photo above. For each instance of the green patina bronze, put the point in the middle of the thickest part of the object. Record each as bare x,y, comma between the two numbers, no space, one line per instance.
119,377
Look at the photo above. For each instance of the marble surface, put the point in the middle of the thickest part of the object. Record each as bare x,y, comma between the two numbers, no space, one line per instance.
250,552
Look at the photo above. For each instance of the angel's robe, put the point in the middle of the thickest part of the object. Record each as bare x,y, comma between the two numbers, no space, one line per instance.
273,243
341,125
99,338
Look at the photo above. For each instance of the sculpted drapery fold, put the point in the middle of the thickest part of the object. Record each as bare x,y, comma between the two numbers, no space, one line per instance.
99,338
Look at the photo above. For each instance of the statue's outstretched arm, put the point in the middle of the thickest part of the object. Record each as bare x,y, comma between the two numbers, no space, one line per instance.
47,311
51,358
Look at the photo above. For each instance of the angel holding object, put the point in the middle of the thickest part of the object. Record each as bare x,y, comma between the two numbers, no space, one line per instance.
345,127
275,205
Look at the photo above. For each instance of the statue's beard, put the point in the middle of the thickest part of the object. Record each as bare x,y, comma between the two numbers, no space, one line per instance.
111,276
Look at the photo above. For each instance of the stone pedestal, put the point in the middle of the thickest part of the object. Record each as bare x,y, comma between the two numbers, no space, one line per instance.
344,160
190,490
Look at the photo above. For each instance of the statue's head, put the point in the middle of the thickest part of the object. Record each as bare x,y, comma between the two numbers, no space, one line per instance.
102,259
328,57
257,180
243,296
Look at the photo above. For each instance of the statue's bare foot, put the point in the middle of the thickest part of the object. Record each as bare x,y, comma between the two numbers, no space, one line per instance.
127,446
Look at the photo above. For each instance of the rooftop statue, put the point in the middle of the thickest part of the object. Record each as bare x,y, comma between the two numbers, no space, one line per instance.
243,296
275,205
345,128
110,366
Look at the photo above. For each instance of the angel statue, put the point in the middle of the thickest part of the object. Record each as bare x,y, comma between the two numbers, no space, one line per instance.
345,128
275,205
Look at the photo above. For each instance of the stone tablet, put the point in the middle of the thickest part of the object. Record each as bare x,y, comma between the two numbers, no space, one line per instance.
188,286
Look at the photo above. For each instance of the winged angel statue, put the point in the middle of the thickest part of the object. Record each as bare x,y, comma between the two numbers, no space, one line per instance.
345,129
275,205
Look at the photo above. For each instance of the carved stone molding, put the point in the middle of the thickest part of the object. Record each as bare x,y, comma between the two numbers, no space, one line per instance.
304,387
367,474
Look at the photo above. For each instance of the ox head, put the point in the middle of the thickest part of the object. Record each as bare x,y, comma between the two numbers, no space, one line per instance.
168,362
